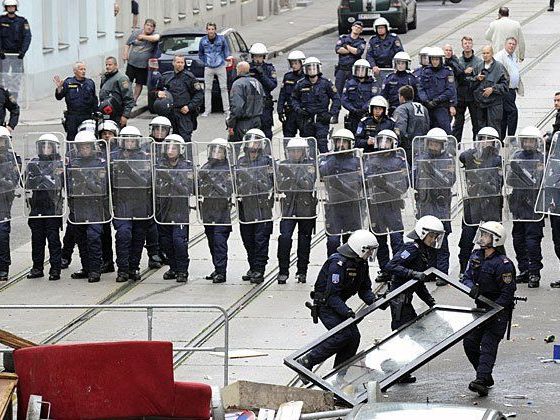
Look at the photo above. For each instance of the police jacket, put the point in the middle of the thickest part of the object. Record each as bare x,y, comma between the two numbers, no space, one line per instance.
411,119
115,87
15,34
246,99
213,53
301,201
495,276
436,200
9,103
357,94
496,78
556,125
492,180
346,61
382,50
214,185
288,84
92,205
184,88
257,202
341,278
413,256
437,87
79,95
46,185
9,181
465,82
172,192
266,74
369,127
339,164
314,98
393,82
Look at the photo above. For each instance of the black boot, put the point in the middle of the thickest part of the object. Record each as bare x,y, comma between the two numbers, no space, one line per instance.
182,277
94,277
248,276
555,284
551,6
407,379
36,273
54,275
301,277
65,263
122,277
219,278
82,274
155,262
478,385
282,278
211,275
257,278
169,275
306,363
3,276
134,275
522,277
534,281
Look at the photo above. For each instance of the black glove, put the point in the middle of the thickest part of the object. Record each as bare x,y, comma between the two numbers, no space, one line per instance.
259,70
324,117
432,303
475,291
21,55
2,56
304,113
431,104
350,314
282,117
417,275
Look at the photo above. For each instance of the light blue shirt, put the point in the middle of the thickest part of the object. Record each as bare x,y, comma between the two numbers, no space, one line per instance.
513,70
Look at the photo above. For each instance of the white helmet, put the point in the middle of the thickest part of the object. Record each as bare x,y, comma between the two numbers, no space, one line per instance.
426,225
258,48
159,127
50,139
436,52
173,141
378,101
361,68
85,137
87,125
296,55
108,125
438,133
342,134
130,131
363,243
487,133
497,234
423,56
297,143
386,140
174,138
312,66
10,3
381,22
215,148
529,133
401,56
4,132
254,134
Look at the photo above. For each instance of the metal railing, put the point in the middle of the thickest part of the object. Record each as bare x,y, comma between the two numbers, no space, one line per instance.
149,317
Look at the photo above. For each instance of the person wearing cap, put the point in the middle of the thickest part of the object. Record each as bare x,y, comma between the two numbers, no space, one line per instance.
115,93
382,46
349,48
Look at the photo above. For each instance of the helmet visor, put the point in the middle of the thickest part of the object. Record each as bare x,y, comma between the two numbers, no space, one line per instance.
296,154
46,148
484,238
130,142
360,71
341,143
159,131
384,142
216,152
401,65
312,69
434,239
528,143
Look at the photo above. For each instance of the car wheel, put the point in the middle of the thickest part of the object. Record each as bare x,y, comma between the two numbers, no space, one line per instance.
413,24
403,28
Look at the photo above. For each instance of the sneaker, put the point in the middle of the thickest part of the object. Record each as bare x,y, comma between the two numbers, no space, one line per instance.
219,278
306,363
134,275
107,267
65,263
82,274
155,262
257,278
211,275
248,276
407,379
182,277
282,278
122,277
35,273
301,277
169,275
522,277
555,284
383,277
478,385
54,275
534,281
94,277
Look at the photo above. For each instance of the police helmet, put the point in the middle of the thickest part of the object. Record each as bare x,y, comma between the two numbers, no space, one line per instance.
381,22
254,134
423,56
401,56
428,225
217,149
312,66
297,144
258,48
108,125
10,3
361,68
490,235
160,128
130,132
47,145
163,106
363,243
436,52
87,125
529,138
296,55
436,136
386,140
108,105
173,141
379,101
487,133
84,138
341,135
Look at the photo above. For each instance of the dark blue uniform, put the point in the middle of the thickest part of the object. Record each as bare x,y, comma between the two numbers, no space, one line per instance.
8,103
495,276
340,278
368,128
414,256
382,50
15,35
311,102
393,82
9,181
355,98
285,107
436,90
81,102
343,70
266,74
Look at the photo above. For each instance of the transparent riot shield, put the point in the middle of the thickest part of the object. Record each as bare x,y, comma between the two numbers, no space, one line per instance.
173,183
131,179
524,173
86,176
12,78
214,184
481,175
380,78
548,199
387,183
43,175
253,175
296,175
434,176
11,206
343,196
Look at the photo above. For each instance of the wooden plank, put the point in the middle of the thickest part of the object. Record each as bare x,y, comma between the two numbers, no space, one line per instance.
8,382
14,341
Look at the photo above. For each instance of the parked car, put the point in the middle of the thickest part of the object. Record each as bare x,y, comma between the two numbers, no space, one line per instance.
185,41
401,14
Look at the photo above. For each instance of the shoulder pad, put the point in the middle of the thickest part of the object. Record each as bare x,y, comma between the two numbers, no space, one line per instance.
363,119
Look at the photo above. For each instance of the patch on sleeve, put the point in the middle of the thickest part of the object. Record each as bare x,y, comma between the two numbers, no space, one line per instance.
198,86
451,78
507,278
125,84
405,254
335,278
398,43
26,26
340,263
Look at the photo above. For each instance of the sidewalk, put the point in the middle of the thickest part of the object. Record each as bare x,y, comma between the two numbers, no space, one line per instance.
301,24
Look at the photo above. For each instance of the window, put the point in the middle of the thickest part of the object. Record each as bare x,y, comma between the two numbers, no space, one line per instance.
242,45
48,35
196,7
182,9
186,44
83,20
101,7
62,25
209,4
232,43
167,11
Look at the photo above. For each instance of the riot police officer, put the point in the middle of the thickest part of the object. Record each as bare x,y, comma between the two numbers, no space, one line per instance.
344,274
8,103
215,190
402,76
188,97
286,113
349,49
79,95
436,90
316,101
160,128
423,60
296,181
382,46
490,274
374,123
115,93
15,37
43,182
107,131
266,74
357,93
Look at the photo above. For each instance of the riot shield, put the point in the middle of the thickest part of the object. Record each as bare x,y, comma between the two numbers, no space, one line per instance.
524,173
380,78
343,196
548,199
10,185
131,179
12,79
434,176
214,185
387,183
173,183
296,175
43,175
253,175
481,176
87,182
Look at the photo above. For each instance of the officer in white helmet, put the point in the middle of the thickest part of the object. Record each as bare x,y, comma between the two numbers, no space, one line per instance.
286,113
402,76
344,274
491,274
16,38
357,93
349,48
423,61
108,130
265,73
160,128
371,125
382,46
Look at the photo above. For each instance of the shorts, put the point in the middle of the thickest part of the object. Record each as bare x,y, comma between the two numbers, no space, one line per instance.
134,7
137,74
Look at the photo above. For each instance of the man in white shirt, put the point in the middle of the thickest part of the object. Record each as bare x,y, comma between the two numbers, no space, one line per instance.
509,59
503,28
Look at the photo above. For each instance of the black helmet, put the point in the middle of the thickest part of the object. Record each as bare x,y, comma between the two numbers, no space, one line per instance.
163,106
